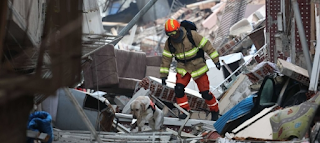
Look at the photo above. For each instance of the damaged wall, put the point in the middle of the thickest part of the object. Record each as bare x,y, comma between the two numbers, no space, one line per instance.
158,10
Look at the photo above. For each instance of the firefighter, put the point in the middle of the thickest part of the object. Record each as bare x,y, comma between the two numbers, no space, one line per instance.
190,64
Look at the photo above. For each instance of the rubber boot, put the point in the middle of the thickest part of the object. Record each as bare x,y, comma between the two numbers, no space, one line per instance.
183,103
183,115
214,115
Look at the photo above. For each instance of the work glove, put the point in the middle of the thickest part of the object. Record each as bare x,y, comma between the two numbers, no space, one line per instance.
164,80
218,66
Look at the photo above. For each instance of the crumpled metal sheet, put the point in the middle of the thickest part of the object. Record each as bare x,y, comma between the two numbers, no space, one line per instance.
239,110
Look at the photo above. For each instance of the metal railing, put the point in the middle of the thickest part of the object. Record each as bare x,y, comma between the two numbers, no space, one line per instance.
226,82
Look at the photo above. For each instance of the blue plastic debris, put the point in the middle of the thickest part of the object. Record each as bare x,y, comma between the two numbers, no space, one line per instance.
242,108
40,121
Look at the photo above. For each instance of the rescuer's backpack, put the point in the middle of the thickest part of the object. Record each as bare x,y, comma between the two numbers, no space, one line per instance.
188,25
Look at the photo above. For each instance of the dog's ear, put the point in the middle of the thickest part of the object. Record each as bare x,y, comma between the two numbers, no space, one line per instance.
143,107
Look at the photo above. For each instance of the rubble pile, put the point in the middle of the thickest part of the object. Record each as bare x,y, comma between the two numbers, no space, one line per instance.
256,75
258,100
254,95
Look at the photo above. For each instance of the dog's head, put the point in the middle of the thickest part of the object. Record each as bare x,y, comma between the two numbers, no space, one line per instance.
137,108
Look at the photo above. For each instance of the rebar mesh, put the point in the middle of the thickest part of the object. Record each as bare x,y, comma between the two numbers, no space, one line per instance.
233,12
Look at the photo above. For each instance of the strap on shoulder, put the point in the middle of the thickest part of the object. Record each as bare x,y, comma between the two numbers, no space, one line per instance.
171,48
189,35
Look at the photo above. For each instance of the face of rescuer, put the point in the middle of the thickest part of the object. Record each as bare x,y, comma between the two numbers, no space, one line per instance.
174,34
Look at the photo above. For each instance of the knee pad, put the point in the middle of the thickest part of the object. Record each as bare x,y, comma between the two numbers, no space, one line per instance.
206,95
179,90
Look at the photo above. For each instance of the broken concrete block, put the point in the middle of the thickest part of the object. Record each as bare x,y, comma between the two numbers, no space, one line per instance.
293,71
260,71
166,93
121,101
236,93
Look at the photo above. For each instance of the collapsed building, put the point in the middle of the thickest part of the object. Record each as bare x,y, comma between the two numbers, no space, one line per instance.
267,89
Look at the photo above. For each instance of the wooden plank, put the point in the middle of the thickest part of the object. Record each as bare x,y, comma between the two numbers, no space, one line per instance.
293,71
235,92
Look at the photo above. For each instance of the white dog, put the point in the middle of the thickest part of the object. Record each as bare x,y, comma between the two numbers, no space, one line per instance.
143,109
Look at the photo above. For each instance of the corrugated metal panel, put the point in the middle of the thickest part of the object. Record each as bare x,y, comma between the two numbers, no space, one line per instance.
90,5
241,109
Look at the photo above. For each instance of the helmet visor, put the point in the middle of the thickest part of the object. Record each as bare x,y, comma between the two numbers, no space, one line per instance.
172,33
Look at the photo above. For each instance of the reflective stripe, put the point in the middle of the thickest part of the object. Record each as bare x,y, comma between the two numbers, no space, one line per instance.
213,104
181,71
167,54
199,71
167,28
203,42
188,53
214,54
192,51
164,70
171,22
184,103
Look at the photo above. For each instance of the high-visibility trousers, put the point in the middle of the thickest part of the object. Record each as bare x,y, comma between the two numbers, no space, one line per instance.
203,85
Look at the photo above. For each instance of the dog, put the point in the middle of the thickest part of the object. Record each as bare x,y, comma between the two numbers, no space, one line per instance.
143,109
